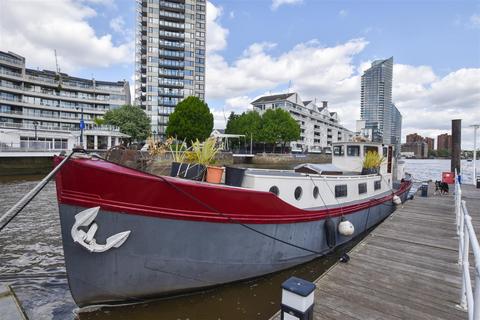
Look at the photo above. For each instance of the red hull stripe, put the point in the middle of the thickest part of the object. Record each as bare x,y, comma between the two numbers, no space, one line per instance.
90,183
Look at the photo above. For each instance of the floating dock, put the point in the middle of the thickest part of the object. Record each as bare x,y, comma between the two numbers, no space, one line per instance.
407,268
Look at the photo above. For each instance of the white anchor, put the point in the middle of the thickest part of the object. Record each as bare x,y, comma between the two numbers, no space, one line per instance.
87,240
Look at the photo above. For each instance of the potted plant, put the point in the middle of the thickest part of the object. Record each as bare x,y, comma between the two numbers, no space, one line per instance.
371,163
205,154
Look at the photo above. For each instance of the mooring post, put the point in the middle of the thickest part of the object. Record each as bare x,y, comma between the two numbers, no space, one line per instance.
456,145
297,299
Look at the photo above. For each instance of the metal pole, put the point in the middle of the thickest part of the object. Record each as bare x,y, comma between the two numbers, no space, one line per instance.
251,143
17,207
82,124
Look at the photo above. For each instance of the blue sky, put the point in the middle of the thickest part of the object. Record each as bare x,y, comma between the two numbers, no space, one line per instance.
319,48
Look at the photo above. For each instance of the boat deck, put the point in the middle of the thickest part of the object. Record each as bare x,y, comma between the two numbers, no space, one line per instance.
405,269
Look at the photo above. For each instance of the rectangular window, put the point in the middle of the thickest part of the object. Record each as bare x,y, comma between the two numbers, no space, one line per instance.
369,149
353,151
341,191
378,184
362,188
338,150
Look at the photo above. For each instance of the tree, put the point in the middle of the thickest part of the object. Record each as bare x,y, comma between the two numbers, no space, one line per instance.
190,120
278,126
131,120
248,124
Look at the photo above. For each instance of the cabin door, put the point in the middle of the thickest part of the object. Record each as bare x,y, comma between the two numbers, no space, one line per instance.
389,159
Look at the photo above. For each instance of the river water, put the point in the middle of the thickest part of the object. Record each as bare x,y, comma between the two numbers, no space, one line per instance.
31,261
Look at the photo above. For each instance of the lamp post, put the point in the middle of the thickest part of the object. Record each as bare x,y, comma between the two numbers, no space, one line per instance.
475,127
82,126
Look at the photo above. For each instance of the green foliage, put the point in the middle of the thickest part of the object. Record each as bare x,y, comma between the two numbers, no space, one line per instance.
131,120
191,120
248,124
279,126
98,121
205,152
275,126
372,160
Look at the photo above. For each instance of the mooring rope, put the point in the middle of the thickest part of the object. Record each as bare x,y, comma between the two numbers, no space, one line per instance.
22,203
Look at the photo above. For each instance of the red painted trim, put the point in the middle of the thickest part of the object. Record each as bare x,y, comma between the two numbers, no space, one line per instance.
89,183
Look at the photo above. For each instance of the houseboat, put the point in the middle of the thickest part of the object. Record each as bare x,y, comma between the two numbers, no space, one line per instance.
129,235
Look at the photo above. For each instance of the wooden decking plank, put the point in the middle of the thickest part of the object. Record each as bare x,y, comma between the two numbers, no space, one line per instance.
405,269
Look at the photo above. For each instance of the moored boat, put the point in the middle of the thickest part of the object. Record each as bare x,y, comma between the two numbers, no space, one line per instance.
129,235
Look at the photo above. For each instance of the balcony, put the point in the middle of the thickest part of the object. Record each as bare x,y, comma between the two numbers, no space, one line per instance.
180,7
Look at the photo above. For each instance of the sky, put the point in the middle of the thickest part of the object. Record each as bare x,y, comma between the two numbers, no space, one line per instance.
317,48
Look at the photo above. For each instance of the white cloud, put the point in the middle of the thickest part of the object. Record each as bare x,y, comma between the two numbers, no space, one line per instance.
231,15
35,28
277,3
475,20
118,24
427,101
216,34
343,13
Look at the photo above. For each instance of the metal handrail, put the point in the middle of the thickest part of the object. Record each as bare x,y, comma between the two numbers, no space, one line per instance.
469,300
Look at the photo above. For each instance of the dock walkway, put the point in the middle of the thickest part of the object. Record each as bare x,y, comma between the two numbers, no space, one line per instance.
405,269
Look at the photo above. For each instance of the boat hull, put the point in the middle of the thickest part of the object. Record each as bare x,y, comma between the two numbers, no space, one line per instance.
167,256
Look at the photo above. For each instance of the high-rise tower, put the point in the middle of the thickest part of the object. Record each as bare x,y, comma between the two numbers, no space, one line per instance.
376,102
169,56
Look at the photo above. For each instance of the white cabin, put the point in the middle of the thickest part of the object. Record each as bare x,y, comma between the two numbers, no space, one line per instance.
314,186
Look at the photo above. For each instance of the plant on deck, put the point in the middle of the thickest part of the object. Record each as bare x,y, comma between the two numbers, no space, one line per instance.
372,161
204,153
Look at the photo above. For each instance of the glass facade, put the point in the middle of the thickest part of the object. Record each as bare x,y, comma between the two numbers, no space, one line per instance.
376,106
169,57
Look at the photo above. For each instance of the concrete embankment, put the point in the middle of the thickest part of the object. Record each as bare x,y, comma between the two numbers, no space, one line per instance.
12,166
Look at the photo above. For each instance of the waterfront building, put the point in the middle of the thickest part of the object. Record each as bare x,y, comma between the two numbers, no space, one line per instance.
381,116
418,148
444,142
170,56
414,137
43,109
319,127
430,142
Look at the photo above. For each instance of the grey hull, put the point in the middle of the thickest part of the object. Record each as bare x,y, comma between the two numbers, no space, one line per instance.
163,256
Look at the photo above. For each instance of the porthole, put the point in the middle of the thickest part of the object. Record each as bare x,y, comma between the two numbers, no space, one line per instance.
298,193
274,190
315,192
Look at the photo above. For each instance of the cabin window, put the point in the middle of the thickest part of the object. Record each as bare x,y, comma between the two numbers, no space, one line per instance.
338,151
298,193
362,188
315,192
385,151
274,190
353,151
369,148
378,184
341,191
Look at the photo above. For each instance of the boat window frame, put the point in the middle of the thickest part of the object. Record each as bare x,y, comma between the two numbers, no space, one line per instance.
367,148
377,184
341,153
363,184
315,192
273,189
349,147
341,190
299,196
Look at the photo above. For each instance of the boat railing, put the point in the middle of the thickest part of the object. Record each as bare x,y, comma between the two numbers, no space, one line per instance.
469,300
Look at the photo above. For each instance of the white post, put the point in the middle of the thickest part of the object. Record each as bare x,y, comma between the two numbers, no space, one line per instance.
475,127
465,265
95,142
109,142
